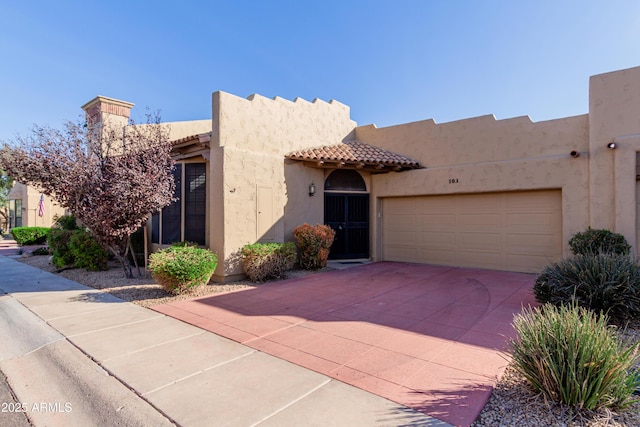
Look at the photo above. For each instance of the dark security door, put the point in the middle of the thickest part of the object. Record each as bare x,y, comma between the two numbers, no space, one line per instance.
348,215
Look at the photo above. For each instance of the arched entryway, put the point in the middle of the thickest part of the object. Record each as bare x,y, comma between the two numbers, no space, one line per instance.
346,210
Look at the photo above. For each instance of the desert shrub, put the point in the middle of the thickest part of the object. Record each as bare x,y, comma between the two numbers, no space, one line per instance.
58,241
179,268
314,243
65,222
570,355
86,252
184,243
30,235
595,241
41,251
263,261
603,282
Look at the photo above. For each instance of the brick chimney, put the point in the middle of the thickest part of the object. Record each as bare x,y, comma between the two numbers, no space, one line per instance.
102,110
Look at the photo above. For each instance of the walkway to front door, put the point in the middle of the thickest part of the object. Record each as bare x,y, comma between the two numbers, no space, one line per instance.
428,337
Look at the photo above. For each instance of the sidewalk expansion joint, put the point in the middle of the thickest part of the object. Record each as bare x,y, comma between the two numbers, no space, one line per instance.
109,327
202,371
293,402
154,346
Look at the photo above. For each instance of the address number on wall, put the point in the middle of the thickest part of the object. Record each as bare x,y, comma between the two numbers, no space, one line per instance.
453,180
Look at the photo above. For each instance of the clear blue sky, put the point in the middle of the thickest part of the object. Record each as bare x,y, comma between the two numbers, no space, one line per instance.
391,61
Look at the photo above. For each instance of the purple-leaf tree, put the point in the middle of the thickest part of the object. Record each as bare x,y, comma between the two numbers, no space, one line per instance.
109,178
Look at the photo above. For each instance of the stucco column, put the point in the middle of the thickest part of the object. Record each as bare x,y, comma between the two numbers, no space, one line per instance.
625,187
614,111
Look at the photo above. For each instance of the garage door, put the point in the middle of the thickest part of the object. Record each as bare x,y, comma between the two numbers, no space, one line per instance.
514,231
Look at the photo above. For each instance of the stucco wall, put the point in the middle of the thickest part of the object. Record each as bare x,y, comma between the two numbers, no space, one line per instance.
30,197
614,115
249,141
487,155
179,130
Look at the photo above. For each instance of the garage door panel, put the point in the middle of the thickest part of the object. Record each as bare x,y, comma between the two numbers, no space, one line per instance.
532,244
488,242
402,221
444,205
533,201
402,253
403,238
481,203
533,221
479,221
518,231
404,204
439,240
440,257
435,222
480,259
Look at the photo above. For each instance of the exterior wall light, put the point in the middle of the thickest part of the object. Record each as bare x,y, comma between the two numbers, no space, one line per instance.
312,189
611,145
575,154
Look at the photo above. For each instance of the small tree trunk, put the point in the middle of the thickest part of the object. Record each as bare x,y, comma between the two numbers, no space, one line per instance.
146,253
133,255
121,256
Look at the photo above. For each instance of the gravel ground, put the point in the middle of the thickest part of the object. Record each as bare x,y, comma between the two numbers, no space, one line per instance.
512,403
141,291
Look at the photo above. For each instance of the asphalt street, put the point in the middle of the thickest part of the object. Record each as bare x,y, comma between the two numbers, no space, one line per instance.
12,412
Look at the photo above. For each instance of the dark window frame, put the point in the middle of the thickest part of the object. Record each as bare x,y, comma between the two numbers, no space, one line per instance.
185,218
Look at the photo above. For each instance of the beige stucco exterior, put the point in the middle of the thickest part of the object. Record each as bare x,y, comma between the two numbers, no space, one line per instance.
255,194
30,197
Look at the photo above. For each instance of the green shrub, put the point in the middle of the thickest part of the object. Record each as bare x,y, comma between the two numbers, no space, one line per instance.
86,252
570,355
314,243
41,251
263,261
65,222
58,242
30,235
605,283
184,243
596,241
179,268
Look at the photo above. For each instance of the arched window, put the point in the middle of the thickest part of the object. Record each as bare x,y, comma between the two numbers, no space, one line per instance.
344,180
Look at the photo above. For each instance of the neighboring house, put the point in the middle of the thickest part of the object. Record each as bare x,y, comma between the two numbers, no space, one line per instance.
498,194
27,210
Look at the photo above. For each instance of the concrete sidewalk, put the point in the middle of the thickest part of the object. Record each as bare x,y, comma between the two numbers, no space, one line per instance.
77,356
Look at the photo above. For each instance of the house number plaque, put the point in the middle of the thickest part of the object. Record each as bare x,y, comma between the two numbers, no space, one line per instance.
453,180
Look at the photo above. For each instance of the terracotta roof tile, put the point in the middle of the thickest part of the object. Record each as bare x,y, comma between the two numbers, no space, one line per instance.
355,152
196,137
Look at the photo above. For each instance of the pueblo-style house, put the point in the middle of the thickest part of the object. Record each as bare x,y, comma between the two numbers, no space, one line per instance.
480,192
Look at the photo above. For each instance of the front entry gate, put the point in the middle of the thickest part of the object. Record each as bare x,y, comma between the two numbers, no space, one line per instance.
348,215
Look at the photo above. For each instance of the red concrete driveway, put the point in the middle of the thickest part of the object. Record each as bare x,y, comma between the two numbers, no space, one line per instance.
428,337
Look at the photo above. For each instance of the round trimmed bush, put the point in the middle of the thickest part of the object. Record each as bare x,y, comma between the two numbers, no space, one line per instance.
264,261
179,268
314,244
593,241
30,235
603,282
572,356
